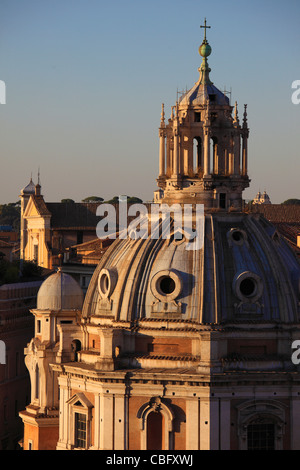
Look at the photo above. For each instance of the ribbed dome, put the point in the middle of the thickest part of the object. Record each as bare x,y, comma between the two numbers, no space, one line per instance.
199,94
60,291
245,271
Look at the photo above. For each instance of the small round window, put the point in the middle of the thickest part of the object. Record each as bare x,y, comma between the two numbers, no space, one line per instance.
248,286
166,285
106,282
237,236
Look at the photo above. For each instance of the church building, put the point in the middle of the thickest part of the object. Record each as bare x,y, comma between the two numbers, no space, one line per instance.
175,348
49,228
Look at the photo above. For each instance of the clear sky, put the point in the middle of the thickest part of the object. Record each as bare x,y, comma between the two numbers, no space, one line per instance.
85,80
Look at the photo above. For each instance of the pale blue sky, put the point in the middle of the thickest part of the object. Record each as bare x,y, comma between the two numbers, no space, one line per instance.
86,78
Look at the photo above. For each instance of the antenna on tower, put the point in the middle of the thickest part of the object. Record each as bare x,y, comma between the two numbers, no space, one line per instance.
226,92
181,93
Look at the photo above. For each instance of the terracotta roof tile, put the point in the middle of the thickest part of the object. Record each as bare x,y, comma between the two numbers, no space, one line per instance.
71,215
278,212
40,205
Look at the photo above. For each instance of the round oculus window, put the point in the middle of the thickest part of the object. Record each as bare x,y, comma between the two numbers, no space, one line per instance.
248,286
237,236
166,285
106,282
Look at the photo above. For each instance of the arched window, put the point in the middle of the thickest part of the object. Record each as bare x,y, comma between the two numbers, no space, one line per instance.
261,425
214,155
197,156
76,346
80,410
156,425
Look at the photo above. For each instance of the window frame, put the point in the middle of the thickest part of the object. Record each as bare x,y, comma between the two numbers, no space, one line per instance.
80,405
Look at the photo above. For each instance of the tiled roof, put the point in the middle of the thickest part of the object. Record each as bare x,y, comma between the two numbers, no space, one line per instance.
73,214
290,232
40,205
278,212
286,219
93,245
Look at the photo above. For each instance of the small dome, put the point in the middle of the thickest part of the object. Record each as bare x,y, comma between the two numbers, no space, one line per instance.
199,94
60,291
29,189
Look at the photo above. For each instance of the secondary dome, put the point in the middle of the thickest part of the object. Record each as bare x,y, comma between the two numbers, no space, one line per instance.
60,291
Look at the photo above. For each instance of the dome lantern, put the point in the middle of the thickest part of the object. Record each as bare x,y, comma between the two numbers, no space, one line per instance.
203,156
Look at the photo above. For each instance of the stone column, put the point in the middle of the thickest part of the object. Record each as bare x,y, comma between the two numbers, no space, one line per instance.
190,169
295,416
225,424
176,154
245,155
226,163
231,157
237,155
162,153
192,424
97,418
204,428
169,170
106,421
206,152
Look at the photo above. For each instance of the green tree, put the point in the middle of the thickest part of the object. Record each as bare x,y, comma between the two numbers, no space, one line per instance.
29,270
130,200
114,200
134,200
69,201
18,271
291,201
10,215
93,199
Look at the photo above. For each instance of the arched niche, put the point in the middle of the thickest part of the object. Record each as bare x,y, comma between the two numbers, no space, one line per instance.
165,419
197,156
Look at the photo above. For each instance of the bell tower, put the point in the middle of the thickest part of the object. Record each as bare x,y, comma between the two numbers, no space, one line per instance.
203,146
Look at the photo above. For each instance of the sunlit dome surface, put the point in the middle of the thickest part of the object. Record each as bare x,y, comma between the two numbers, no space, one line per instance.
60,291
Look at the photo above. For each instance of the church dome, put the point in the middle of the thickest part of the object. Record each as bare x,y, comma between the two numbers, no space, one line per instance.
60,291
243,272
200,93
29,189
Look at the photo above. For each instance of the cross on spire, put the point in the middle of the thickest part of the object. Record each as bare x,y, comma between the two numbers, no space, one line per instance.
205,28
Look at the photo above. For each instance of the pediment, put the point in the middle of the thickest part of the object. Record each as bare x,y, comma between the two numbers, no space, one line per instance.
31,209
36,207
79,399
